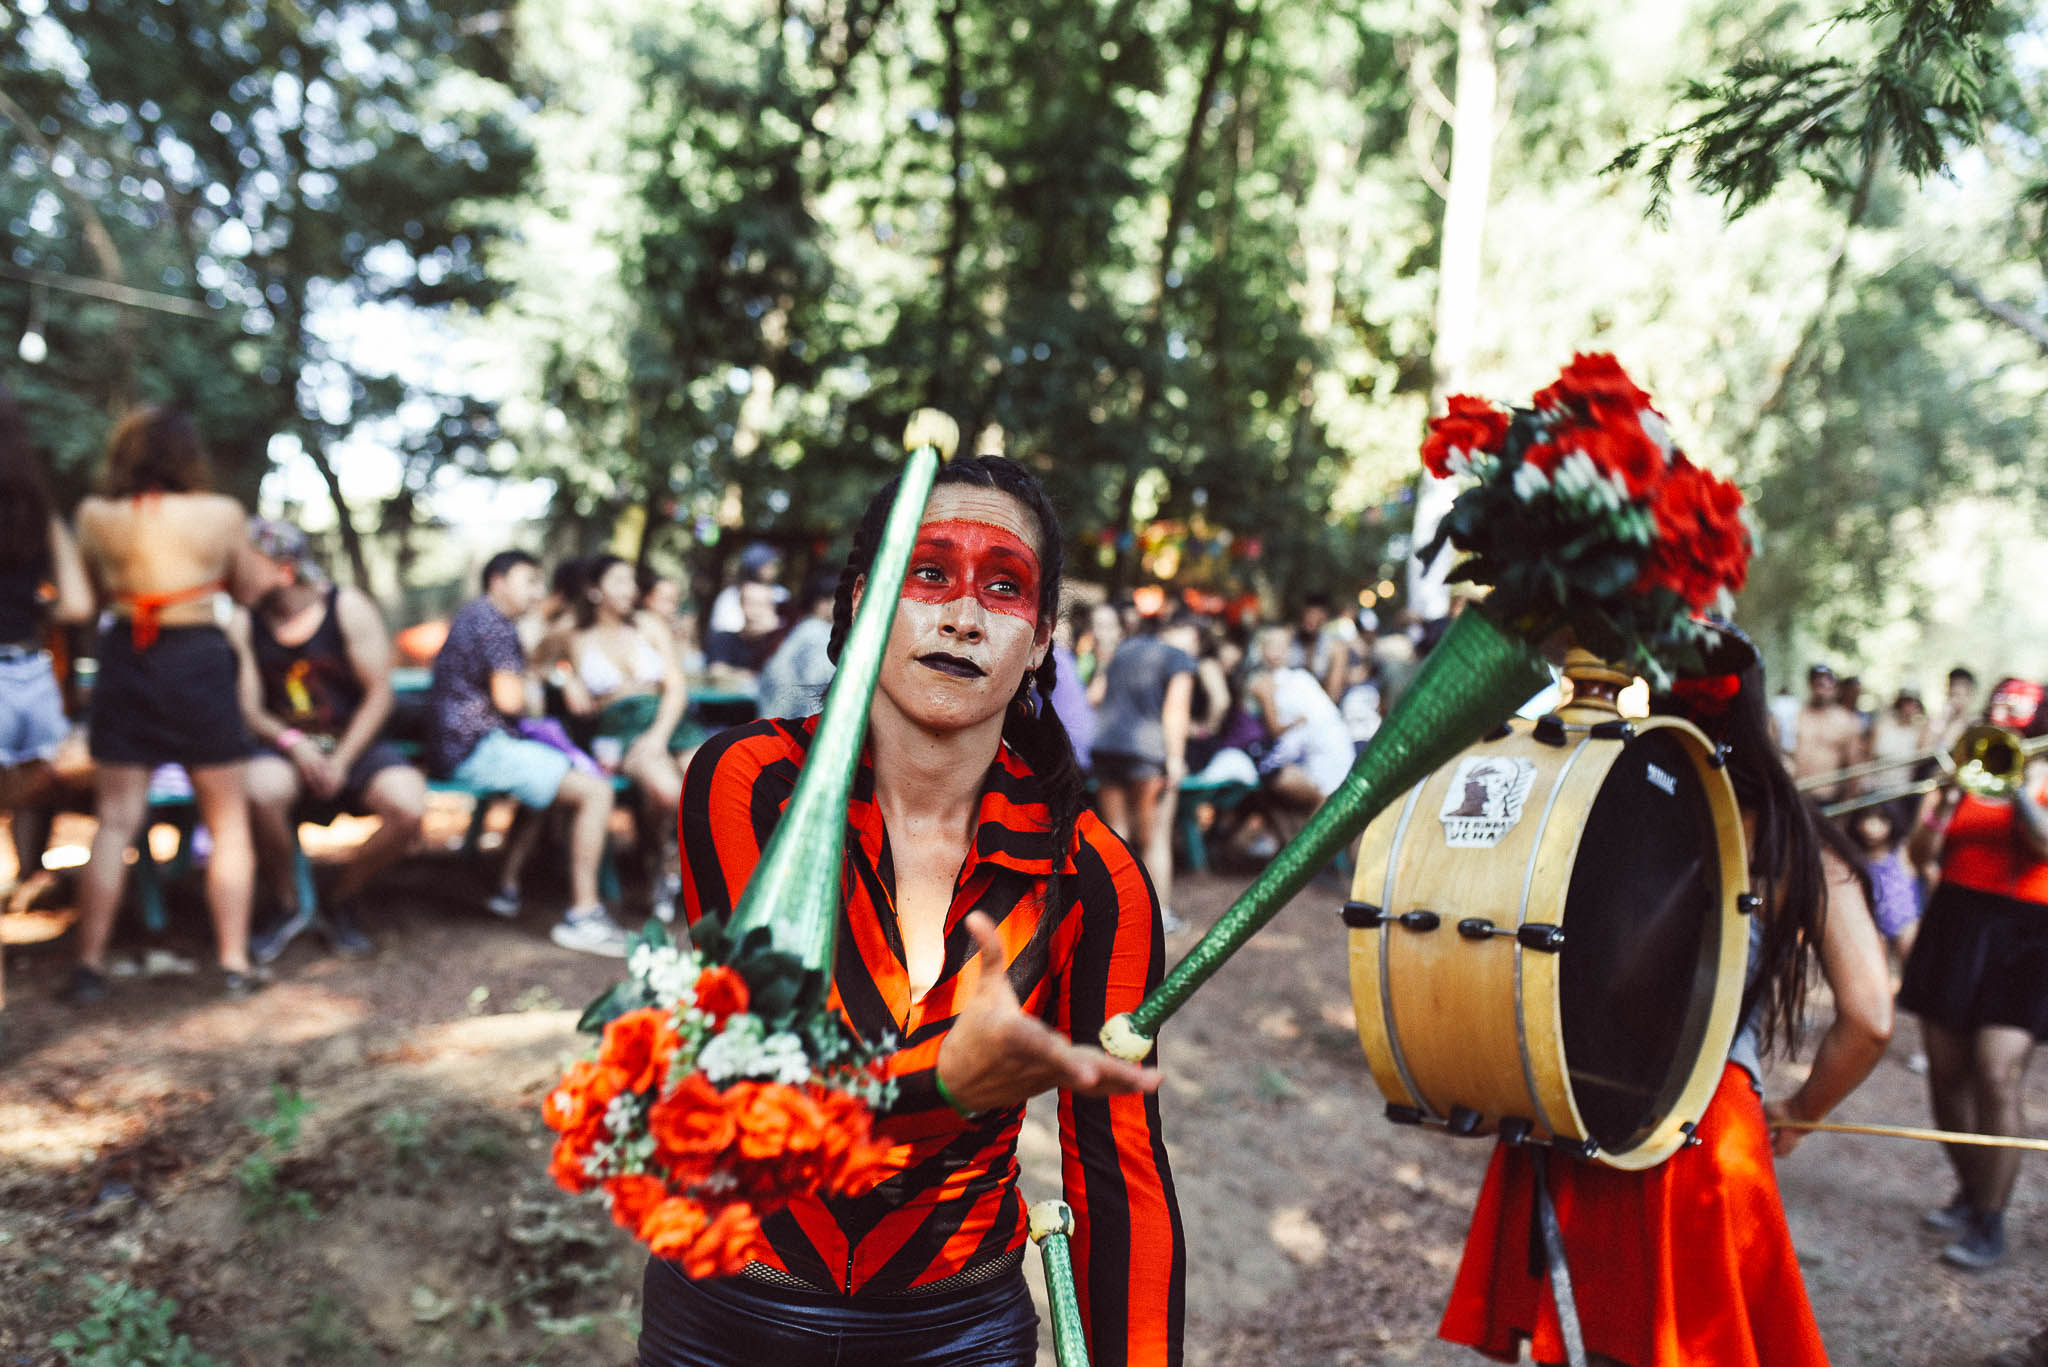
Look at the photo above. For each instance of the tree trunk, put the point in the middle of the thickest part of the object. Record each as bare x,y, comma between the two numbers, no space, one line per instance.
1459,270
351,539
1178,204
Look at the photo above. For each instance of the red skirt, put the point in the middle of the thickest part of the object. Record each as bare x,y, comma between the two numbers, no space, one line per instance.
1688,1263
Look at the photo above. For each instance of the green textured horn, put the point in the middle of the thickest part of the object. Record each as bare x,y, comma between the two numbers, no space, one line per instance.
795,890
1052,1225
1473,681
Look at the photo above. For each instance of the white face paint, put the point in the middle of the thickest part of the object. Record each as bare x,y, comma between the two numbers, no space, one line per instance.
967,627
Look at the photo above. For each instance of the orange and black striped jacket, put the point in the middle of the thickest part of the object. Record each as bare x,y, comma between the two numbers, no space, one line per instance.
952,1201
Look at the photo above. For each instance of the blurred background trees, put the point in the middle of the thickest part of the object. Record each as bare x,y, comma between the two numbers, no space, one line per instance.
1205,263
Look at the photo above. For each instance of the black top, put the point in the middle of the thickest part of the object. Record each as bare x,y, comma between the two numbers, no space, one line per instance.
21,604
312,686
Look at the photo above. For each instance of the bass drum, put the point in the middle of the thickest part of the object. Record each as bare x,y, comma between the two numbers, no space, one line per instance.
1549,937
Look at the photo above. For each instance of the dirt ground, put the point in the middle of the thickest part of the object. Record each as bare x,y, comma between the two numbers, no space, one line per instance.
349,1168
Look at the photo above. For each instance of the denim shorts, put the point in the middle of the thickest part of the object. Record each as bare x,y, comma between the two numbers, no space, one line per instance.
525,769
32,723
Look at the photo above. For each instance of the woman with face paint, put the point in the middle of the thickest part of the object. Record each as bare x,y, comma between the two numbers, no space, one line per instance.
990,920
1978,976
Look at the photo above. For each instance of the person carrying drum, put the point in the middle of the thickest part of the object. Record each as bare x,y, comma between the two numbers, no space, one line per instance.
1691,1261
1978,975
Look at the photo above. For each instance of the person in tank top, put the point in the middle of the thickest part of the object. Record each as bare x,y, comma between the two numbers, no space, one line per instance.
315,689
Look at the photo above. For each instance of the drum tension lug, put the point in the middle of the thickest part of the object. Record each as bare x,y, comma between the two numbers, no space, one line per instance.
1514,1130
1748,903
1478,928
1692,1141
1362,915
1536,935
1614,730
1404,1115
1718,759
1575,1148
1420,920
1550,729
1501,732
1463,1120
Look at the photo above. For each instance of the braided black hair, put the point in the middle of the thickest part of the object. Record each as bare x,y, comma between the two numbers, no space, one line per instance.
1030,726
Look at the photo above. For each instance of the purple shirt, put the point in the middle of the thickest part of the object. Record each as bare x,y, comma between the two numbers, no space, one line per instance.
481,642
1895,900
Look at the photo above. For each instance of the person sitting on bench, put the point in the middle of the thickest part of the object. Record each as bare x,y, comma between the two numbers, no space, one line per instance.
315,679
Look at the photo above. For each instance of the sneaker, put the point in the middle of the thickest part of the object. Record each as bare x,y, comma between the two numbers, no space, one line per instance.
86,987
1261,846
504,902
1982,1245
1951,1218
590,930
344,936
245,982
268,945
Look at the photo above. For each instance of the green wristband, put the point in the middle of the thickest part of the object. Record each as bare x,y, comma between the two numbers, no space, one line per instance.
946,1095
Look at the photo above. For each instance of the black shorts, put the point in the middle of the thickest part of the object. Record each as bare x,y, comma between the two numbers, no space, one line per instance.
1112,768
1980,959
175,703
350,801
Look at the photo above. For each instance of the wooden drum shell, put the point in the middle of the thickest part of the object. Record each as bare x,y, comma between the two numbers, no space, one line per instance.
1449,1021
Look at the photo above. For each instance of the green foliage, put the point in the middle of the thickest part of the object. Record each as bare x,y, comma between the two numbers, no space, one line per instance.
269,165
265,1194
128,1326
1917,96
405,1133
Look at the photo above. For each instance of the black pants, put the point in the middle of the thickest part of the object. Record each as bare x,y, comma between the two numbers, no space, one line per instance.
736,1323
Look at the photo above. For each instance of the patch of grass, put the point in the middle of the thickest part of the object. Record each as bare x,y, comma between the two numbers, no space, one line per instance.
328,1330
128,1326
265,1194
483,1144
405,1133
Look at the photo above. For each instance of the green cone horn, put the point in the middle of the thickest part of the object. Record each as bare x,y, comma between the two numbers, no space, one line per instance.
795,890
1473,681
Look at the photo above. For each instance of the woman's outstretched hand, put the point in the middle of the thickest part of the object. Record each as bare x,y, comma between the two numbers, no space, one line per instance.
997,1056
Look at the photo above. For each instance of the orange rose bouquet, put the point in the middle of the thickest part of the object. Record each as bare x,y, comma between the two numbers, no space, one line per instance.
715,1097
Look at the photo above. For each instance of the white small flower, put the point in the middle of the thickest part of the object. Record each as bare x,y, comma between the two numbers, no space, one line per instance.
1655,429
1529,482
669,972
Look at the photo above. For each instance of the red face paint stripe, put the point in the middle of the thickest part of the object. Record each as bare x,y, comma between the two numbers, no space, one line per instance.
958,557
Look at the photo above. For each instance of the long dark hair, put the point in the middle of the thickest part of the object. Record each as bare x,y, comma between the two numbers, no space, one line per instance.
155,451
1030,726
1785,868
593,571
24,502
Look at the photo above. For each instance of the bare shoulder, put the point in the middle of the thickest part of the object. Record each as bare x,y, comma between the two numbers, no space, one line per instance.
357,608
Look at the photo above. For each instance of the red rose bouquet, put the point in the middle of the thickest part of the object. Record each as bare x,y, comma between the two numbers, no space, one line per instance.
713,1099
1583,514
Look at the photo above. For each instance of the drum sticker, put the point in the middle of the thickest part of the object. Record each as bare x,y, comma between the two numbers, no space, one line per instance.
1485,800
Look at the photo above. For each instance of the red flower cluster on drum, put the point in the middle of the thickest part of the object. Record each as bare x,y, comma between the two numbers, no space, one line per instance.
1584,514
713,1101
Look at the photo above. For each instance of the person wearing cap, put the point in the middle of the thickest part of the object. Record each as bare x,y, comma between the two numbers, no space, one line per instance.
315,687
1901,734
746,617
1829,736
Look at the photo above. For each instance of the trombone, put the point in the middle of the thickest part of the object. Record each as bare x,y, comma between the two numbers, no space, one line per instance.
1987,761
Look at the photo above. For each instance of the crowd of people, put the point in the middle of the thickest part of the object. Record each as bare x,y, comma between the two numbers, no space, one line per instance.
1959,876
